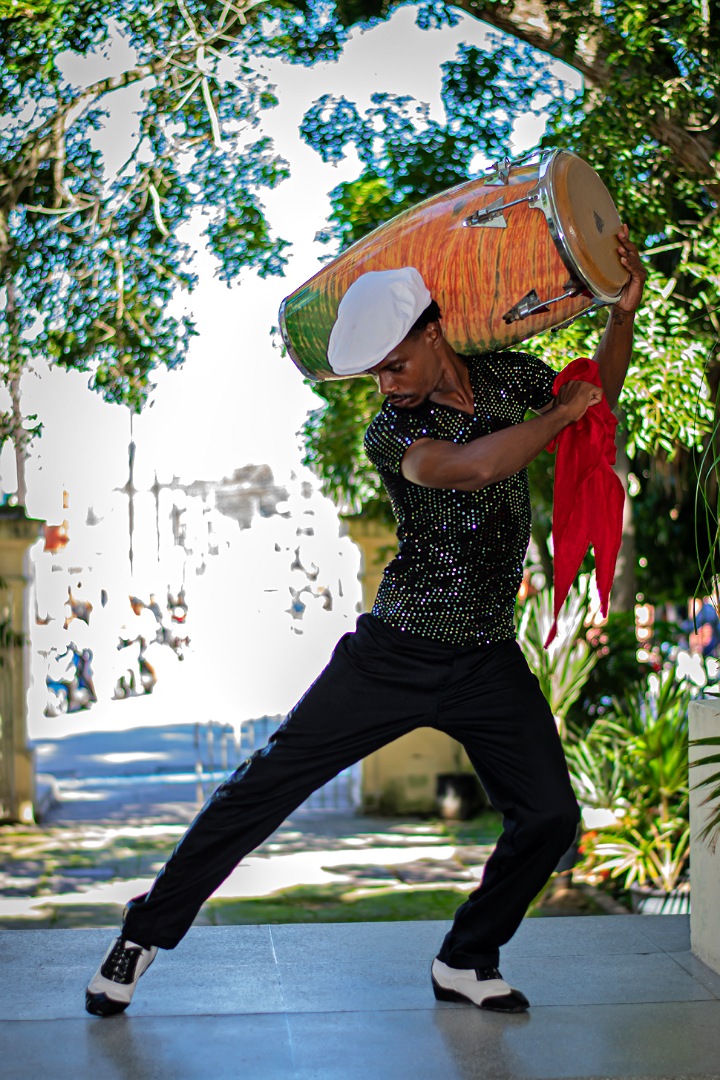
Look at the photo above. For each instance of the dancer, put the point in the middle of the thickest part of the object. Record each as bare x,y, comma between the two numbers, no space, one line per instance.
438,650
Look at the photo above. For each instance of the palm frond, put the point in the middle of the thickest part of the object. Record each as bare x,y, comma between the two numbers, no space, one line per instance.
710,832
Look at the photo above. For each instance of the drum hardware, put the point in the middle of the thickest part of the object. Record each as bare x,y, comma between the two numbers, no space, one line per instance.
531,303
500,171
491,217
597,304
565,252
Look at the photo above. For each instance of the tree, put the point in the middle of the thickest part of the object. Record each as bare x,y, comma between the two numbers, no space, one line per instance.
91,236
647,119
656,65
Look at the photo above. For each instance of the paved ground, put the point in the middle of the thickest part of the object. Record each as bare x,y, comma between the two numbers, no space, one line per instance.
612,998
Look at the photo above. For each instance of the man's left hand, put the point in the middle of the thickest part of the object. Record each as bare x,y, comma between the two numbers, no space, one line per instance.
633,288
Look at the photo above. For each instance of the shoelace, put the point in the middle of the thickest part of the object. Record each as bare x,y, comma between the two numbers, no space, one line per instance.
120,964
484,974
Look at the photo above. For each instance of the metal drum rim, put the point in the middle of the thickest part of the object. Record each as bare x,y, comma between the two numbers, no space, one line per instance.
290,350
556,230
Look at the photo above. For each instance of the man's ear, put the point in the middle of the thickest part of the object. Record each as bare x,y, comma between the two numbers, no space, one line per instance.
434,332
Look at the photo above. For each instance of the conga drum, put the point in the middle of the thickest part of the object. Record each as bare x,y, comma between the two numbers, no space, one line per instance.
522,249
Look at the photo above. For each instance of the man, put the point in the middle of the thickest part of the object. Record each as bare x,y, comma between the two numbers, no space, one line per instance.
439,648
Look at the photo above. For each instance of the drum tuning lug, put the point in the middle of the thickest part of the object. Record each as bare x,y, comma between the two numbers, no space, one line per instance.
491,217
531,304
500,171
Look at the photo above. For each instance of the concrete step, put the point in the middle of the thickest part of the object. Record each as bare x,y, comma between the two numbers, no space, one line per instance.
613,997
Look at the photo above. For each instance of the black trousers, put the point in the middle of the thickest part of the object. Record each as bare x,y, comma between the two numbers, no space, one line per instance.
380,684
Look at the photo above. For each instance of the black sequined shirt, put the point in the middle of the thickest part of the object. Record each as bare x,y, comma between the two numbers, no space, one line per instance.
460,558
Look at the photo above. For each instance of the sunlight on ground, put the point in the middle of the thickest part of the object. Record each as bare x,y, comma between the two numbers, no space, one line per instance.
255,877
106,836
126,759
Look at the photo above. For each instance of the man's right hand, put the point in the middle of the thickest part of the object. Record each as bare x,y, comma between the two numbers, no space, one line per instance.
576,397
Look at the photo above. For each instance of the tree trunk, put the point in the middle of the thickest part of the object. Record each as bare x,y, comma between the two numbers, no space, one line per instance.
541,537
131,492
19,440
12,377
536,23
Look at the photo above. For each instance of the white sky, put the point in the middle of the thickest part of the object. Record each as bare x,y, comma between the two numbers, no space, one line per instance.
236,400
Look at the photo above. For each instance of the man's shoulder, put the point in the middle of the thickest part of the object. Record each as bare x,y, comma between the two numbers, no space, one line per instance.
391,431
520,372
503,360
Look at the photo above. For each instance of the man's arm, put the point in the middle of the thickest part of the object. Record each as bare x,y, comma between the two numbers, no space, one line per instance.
615,348
469,467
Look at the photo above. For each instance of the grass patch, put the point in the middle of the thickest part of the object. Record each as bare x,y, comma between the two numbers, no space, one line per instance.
67,917
484,829
333,904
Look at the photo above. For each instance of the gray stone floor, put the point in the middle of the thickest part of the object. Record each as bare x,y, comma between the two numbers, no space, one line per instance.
613,997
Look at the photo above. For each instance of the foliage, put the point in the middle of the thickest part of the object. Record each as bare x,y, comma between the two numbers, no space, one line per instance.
667,520
406,156
707,519
589,670
618,672
94,244
656,857
599,776
646,122
335,448
646,119
634,761
652,726
10,9
711,830
564,667
651,74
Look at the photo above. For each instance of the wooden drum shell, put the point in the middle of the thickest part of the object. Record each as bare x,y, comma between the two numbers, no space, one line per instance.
477,274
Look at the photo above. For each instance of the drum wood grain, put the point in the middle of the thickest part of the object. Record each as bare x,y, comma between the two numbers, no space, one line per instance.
478,274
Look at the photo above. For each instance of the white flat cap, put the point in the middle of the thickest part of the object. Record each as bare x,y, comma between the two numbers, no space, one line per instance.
374,316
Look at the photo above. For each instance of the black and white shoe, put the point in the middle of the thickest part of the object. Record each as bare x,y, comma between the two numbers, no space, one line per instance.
484,987
112,986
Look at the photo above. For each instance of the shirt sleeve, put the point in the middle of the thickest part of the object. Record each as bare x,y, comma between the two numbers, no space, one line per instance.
390,434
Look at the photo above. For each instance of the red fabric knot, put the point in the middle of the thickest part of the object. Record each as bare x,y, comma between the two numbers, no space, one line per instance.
588,497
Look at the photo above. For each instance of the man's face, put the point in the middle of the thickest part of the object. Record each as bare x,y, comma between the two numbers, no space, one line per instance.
409,372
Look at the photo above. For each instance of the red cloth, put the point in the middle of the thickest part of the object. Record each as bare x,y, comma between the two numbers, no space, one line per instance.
588,498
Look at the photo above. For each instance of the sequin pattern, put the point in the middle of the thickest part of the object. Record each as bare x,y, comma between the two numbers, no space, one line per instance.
461,553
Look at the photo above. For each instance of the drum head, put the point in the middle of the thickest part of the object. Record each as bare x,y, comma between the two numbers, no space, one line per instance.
589,223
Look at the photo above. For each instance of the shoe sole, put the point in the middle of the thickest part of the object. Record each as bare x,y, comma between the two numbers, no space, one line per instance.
102,1005
504,1004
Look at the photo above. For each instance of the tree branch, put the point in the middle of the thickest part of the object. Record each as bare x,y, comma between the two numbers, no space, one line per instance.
47,141
528,20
